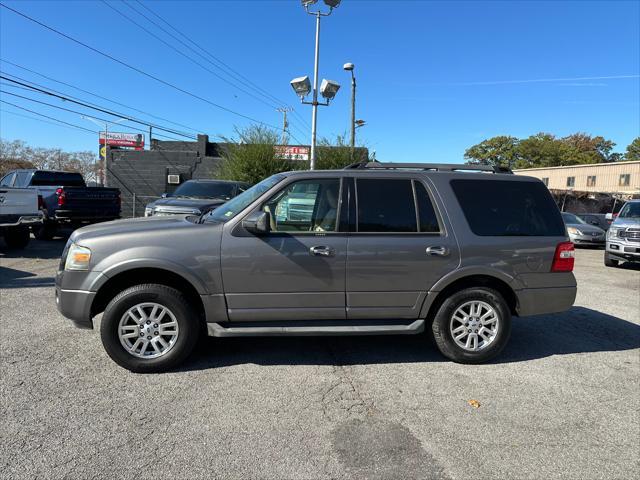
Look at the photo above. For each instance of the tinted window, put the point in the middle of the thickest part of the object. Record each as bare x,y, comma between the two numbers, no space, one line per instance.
305,206
54,179
426,213
7,180
508,208
385,205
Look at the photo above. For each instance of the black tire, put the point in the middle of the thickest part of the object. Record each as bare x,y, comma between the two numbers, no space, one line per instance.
176,302
46,231
608,261
442,334
17,237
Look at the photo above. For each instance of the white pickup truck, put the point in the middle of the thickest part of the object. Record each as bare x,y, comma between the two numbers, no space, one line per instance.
19,209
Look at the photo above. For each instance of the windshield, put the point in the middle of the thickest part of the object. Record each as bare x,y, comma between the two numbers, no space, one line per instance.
204,190
630,210
571,218
230,209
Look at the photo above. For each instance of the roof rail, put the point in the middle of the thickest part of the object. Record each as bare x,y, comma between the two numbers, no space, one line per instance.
439,167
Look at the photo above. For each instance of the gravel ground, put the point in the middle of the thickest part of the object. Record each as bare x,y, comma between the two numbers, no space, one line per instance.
561,401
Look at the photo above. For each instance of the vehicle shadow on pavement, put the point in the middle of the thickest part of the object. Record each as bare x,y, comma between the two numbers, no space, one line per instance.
580,330
12,278
41,249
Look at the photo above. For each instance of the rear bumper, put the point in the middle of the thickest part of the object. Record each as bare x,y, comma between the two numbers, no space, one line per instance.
86,215
76,306
17,220
538,301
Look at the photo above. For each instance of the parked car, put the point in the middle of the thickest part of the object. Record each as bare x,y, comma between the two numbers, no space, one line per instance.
195,197
388,249
596,219
19,209
623,237
581,233
66,200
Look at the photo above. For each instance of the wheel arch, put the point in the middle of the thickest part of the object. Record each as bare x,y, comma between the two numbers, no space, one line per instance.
142,275
435,299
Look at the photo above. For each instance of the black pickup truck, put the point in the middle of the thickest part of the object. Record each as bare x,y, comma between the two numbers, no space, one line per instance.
65,199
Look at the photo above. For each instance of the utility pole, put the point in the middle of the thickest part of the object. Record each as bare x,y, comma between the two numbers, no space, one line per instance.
285,123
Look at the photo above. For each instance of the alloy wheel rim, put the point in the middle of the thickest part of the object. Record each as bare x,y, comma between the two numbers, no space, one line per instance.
148,330
474,325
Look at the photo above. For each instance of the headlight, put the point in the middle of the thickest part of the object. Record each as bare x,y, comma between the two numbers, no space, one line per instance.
78,258
612,233
574,231
148,211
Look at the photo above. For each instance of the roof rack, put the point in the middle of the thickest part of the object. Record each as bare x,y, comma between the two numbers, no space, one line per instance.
438,167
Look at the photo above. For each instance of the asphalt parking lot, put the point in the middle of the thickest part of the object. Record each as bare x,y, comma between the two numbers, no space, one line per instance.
561,401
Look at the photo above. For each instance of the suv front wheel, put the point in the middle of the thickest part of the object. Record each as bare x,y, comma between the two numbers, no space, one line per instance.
472,325
149,328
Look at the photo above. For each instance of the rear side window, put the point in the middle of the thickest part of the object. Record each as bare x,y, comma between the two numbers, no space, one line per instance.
426,212
508,208
53,179
386,205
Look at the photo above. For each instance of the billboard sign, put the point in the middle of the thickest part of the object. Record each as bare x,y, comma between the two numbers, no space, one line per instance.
289,152
118,139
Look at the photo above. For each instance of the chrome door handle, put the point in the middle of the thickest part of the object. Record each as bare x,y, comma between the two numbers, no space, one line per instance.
322,251
442,251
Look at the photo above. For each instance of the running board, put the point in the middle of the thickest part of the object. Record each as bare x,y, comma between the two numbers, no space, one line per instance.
344,328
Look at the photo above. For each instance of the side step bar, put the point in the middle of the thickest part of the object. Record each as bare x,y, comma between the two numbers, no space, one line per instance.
218,330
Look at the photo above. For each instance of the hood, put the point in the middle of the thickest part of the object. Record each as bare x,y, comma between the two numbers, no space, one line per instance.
586,228
187,203
144,225
625,222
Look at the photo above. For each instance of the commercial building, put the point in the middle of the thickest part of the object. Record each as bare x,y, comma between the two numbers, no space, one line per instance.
144,175
622,178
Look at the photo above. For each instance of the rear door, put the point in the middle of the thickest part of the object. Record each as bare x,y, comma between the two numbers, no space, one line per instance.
399,248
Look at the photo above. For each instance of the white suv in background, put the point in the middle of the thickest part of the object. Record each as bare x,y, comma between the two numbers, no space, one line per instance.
623,237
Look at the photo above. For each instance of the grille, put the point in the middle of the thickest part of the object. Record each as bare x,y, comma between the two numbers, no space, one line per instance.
631,234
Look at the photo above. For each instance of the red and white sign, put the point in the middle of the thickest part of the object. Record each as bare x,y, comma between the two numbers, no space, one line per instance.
118,139
292,152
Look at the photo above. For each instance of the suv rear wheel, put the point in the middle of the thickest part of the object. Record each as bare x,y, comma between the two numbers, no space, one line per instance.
472,325
149,328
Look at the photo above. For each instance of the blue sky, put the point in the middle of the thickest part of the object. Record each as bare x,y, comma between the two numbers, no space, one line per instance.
433,77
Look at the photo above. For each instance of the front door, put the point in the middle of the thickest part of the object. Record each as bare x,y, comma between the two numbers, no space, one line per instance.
297,271
399,250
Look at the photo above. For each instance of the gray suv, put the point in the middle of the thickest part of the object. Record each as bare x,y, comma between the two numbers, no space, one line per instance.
373,249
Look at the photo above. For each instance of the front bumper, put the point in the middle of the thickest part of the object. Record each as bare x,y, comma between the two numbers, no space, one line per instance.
588,239
76,306
624,251
539,301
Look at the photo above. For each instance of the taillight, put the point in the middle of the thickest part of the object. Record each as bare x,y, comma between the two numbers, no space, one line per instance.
564,258
40,203
61,197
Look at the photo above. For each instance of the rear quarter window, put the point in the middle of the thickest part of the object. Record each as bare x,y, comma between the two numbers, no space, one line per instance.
508,208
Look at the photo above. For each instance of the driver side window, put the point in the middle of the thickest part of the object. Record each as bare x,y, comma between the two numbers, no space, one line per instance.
305,206
7,180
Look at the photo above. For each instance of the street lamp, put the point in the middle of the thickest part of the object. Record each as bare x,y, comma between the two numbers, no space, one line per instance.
301,84
349,67
106,131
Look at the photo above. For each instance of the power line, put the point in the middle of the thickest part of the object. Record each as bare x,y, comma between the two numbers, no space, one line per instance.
77,112
47,116
56,123
61,96
135,69
97,95
231,71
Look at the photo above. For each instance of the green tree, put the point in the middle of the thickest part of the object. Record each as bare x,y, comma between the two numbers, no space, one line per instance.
497,151
250,157
336,154
584,148
633,150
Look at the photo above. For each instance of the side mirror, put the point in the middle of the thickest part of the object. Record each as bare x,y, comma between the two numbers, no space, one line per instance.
609,216
164,195
258,223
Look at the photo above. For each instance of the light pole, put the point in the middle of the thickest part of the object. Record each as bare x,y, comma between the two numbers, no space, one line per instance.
103,180
349,67
301,85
